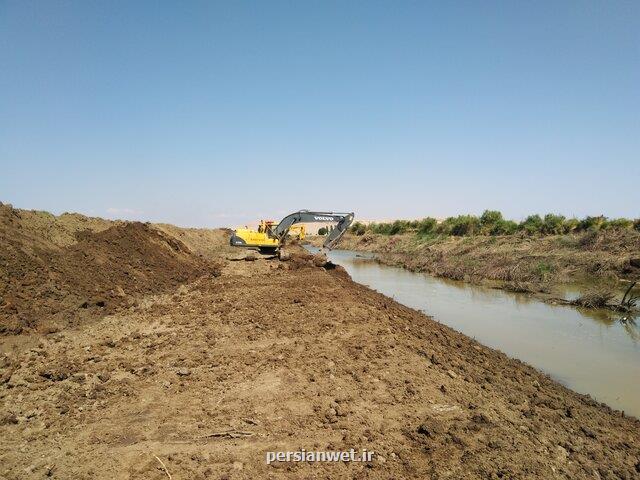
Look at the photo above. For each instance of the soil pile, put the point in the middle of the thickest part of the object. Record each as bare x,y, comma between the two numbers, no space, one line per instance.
47,281
205,242
44,227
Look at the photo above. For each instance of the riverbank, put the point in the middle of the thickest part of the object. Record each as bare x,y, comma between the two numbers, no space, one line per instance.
541,265
564,342
204,378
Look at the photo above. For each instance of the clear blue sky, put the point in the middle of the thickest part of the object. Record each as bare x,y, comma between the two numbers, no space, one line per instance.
218,113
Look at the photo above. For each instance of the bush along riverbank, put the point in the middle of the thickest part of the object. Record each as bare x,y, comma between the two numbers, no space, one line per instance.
492,223
540,255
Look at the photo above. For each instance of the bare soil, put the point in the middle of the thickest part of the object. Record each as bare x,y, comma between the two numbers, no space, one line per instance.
201,380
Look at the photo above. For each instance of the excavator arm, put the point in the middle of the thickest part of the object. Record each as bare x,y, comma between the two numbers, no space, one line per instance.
305,216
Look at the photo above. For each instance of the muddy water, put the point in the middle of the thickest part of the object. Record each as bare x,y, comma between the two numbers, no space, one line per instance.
589,352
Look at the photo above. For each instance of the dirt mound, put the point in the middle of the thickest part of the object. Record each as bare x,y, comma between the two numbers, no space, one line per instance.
205,242
45,227
296,257
47,286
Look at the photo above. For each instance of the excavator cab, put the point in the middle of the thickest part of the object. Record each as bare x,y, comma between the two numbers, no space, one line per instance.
266,225
270,237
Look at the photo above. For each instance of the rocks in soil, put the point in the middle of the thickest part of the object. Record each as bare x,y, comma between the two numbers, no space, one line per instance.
431,428
284,256
320,260
8,419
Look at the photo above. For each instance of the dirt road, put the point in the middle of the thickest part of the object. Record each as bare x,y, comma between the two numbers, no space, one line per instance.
203,380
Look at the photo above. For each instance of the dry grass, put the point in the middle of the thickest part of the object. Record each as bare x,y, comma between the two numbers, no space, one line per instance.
603,257
594,299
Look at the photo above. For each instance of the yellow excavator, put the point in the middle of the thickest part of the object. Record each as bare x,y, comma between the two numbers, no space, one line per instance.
271,236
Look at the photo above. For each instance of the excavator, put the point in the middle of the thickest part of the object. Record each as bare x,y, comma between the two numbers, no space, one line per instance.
270,237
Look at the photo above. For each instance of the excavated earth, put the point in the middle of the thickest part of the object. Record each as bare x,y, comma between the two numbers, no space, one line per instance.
56,272
239,355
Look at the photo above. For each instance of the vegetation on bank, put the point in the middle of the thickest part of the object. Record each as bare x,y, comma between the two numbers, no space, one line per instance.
541,254
491,222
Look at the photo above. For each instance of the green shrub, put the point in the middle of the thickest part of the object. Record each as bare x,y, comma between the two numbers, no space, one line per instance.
358,229
384,228
553,224
592,223
617,224
460,225
571,225
532,224
467,225
444,227
399,226
381,228
323,231
489,220
395,228
504,227
426,226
